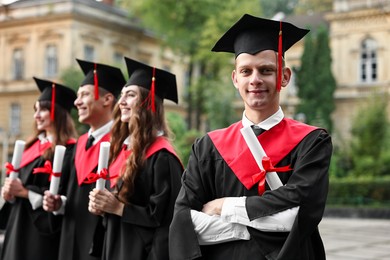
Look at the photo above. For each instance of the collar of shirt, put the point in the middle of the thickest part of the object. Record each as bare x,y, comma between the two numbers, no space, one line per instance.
266,124
44,139
102,131
127,140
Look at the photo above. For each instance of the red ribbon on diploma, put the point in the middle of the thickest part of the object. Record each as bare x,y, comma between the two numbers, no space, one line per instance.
10,168
268,167
47,169
93,177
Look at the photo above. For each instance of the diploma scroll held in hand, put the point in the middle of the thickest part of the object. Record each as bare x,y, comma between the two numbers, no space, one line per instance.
58,161
258,153
16,159
103,164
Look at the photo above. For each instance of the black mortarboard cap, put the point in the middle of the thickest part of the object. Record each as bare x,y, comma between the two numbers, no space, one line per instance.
252,34
63,96
142,75
102,75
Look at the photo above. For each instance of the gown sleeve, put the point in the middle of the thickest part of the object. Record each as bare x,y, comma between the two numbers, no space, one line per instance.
164,172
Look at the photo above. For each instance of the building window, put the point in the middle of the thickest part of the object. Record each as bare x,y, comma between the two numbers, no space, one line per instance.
89,53
15,118
51,61
17,64
118,58
368,61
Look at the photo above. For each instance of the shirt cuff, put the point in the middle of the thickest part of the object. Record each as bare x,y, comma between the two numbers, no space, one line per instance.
61,210
233,208
35,199
212,230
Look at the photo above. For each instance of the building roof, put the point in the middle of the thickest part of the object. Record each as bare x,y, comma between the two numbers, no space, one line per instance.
310,21
110,14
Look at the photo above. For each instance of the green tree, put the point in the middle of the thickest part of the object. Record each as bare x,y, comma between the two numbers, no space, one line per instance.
182,138
316,84
370,139
324,79
191,28
307,89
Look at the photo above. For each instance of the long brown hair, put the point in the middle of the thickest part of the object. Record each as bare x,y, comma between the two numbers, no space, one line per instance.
142,129
64,129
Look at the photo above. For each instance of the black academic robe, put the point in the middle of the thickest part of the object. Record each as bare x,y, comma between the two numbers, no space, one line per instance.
79,225
208,177
33,234
142,231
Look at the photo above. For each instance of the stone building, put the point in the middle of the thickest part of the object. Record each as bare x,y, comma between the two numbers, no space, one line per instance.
42,38
359,36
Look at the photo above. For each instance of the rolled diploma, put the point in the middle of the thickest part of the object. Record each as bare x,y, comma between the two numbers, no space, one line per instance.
17,157
103,163
258,153
58,160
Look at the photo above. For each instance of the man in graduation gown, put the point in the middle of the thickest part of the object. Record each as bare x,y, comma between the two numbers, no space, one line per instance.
96,98
225,209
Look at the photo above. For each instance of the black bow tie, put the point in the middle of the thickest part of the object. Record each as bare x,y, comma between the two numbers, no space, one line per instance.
89,142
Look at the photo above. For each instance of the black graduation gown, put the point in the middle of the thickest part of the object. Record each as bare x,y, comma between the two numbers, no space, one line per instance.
142,231
34,234
208,177
79,225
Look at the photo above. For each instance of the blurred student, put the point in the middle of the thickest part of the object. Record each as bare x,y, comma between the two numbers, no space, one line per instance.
32,233
145,169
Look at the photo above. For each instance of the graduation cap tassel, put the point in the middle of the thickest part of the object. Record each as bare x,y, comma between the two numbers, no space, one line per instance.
95,81
53,101
280,60
152,90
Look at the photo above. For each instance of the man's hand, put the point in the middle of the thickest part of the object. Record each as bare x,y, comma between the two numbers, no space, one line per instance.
51,202
213,207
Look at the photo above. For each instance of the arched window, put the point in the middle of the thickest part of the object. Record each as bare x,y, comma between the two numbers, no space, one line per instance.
368,61
51,63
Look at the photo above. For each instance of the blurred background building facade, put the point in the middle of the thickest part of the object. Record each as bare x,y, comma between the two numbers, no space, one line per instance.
42,38
359,36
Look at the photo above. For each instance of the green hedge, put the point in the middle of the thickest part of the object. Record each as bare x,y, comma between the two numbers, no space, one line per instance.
361,191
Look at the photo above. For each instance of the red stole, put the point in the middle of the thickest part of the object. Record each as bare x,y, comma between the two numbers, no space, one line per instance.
33,152
36,150
86,161
116,167
277,143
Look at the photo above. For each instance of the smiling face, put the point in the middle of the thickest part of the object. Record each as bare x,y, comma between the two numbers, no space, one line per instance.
128,101
42,118
255,79
88,108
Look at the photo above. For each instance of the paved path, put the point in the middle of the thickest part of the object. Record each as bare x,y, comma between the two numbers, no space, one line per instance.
352,239
356,239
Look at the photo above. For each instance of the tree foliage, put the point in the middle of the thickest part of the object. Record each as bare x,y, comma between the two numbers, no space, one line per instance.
370,139
316,83
191,28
